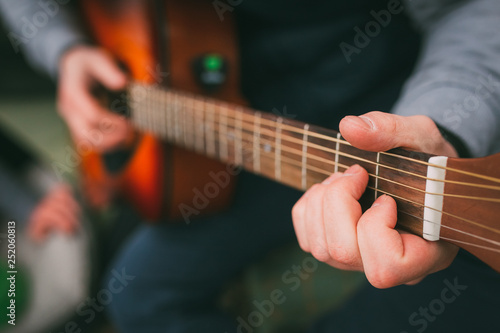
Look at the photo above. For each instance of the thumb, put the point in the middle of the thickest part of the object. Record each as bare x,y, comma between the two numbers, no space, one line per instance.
379,131
105,69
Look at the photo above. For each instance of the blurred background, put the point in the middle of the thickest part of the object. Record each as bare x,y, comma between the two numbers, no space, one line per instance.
55,273
59,276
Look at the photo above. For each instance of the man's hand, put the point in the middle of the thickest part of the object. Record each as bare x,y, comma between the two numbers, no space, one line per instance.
90,124
329,222
58,211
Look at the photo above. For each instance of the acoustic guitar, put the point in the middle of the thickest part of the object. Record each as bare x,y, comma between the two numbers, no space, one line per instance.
438,198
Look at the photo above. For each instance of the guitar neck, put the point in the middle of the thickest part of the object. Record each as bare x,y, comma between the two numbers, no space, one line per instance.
300,155
287,151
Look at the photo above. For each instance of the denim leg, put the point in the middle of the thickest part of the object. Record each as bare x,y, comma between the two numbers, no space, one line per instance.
463,298
180,270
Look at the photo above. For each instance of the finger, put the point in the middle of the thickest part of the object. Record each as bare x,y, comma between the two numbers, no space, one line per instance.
332,178
379,131
60,220
299,215
37,229
391,258
96,128
298,218
60,214
107,72
314,224
63,193
341,214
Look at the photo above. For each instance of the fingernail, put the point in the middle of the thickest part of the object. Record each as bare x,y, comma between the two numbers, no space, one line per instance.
367,121
361,121
380,200
352,170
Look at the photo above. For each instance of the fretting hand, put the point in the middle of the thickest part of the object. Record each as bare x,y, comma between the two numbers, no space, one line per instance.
329,222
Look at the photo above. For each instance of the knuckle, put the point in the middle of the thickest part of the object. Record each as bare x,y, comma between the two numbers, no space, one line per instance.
381,277
332,195
343,255
320,253
297,211
313,189
335,191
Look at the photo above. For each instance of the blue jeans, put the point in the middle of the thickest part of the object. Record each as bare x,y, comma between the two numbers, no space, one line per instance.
462,298
180,269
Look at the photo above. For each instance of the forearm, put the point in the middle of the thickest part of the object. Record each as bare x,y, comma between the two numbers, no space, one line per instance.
42,30
457,79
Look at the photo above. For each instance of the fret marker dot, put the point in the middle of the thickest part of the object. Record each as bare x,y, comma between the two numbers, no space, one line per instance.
267,147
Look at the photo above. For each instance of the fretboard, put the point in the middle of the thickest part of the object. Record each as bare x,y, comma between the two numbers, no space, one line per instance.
287,151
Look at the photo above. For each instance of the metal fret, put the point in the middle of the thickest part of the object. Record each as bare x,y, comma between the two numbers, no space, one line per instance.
277,150
209,129
376,175
200,132
170,118
163,117
177,129
304,156
238,144
256,142
223,149
190,126
155,110
148,110
337,147
182,110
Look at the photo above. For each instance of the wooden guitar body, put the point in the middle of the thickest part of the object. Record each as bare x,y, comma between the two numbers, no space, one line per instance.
160,177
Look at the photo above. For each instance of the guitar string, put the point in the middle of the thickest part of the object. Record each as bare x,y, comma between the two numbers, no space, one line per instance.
327,173
297,130
288,138
292,139
424,206
205,110
298,153
487,240
462,232
368,161
441,211
221,104
382,178
450,239
421,219
471,244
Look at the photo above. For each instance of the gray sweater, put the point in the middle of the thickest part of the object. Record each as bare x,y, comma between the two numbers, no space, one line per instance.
456,81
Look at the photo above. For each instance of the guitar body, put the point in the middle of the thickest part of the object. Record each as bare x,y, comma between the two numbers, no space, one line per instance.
159,178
